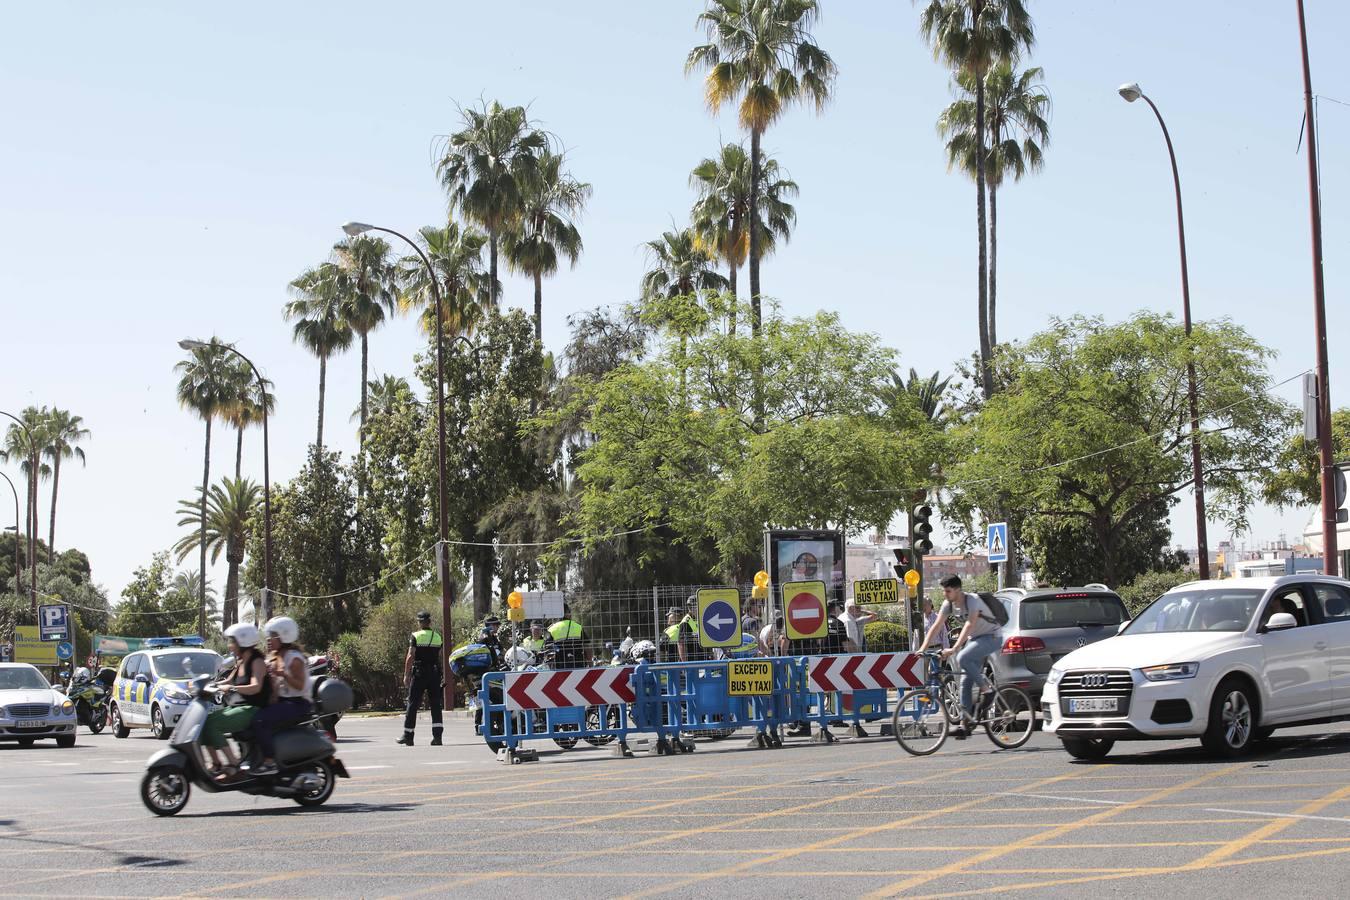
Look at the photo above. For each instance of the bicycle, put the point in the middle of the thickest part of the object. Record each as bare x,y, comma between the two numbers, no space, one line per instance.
921,720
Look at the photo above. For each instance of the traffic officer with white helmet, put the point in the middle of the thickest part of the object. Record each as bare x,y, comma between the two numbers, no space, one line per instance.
423,675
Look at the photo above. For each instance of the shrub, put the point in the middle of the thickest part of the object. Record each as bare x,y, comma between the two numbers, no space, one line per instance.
885,637
1149,587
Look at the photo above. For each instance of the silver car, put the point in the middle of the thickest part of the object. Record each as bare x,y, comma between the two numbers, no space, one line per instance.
1047,624
31,710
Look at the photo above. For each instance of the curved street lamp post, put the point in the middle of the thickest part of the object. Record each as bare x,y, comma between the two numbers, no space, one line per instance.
1132,92
188,344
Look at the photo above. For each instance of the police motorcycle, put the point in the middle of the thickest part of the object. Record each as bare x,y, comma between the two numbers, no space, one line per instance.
305,757
470,662
518,658
90,695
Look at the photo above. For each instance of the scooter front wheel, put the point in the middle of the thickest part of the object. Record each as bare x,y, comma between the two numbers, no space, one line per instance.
165,791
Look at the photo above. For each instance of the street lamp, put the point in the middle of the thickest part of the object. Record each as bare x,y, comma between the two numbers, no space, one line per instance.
352,229
32,501
1132,92
189,344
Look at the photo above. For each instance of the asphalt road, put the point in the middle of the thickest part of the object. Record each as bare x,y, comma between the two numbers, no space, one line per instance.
856,818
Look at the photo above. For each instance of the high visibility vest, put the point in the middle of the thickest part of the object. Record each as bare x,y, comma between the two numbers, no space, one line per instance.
566,630
534,645
427,649
673,632
427,637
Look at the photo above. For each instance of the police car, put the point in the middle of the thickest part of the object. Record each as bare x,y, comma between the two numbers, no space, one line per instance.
151,686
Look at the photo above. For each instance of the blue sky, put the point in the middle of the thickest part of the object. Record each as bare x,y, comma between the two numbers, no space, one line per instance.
167,168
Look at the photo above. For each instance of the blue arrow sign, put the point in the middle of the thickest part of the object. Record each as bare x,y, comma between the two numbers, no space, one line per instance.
997,542
719,620
64,650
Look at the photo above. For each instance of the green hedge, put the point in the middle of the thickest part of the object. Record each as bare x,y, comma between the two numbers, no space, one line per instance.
1149,587
885,637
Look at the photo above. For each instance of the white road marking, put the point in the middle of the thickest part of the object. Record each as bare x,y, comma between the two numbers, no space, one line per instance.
445,762
362,768
1067,799
1278,815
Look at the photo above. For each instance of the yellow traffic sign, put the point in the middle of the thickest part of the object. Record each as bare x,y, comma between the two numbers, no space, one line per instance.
804,610
719,617
29,647
876,590
750,678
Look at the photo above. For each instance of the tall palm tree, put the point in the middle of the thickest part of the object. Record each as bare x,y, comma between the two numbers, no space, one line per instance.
721,214
62,432
484,169
1017,108
320,325
386,391
184,588
371,289
17,446
456,253
928,395
762,53
207,385
681,268
246,409
550,202
231,510
971,36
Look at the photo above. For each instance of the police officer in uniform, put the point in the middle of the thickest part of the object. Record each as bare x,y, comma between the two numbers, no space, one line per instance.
422,673
538,640
566,633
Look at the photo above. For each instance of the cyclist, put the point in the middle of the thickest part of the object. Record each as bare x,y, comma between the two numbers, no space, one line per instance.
977,641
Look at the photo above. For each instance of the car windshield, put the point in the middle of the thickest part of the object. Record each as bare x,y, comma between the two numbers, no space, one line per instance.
22,678
1206,609
1066,611
182,666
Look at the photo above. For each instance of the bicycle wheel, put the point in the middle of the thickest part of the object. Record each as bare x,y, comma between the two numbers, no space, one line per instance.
1011,720
951,697
919,722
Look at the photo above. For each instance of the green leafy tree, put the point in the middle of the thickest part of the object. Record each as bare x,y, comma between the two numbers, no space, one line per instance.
399,493
1093,426
1296,477
1149,586
970,37
761,55
721,214
1065,551
27,451
63,432
208,383
456,253
148,609
1017,112
318,311
370,289
551,201
682,269
231,509
486,168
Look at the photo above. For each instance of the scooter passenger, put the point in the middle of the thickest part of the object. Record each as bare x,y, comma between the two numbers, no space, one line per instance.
288,667
249,680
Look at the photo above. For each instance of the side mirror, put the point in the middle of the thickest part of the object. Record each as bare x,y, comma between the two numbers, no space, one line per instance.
142,678
1281,622
1124,625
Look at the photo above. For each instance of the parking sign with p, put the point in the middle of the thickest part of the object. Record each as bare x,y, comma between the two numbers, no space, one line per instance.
54,622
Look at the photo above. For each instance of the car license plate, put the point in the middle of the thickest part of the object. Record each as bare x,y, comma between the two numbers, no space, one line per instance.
30,723
1094,704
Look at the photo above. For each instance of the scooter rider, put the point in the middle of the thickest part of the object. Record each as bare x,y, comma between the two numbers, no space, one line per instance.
422,674
289,668
248,679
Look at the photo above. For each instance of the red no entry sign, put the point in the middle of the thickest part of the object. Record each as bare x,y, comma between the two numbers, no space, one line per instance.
805,609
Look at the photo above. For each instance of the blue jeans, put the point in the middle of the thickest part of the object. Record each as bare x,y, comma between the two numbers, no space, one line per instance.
970,660
271,719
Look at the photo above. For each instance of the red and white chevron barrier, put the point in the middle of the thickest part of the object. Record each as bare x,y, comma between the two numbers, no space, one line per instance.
865,672
573,687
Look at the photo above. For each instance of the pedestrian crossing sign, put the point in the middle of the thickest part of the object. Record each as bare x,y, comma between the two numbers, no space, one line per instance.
997,542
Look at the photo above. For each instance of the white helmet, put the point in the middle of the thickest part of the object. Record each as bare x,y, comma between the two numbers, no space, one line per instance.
644,650
283,627
244,634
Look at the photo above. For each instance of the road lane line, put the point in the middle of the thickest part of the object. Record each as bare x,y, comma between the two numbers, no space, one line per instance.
1269,830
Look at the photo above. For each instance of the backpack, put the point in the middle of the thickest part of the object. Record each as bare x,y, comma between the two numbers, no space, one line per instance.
997,611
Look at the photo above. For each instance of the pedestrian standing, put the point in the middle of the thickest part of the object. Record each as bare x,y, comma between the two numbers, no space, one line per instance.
422,674
854,618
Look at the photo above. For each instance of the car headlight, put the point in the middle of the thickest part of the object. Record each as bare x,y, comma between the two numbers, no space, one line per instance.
1055,676
174,695
1171,671
67,707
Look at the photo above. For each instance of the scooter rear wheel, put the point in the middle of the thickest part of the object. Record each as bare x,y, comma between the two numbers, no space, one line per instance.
165,791
319,795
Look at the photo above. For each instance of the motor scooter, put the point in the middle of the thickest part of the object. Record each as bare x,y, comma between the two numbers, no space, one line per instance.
305,757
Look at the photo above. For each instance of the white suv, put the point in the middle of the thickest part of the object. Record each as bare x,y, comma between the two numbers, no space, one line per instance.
1226,661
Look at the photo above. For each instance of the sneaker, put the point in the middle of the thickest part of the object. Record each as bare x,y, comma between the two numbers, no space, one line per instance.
264,770
960,733
859,731
406,740
435,740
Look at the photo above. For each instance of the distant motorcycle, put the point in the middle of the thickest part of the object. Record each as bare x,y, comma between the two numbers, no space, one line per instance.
90,695
322,668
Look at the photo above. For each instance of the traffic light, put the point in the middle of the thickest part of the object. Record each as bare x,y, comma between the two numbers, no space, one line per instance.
921,530
903,562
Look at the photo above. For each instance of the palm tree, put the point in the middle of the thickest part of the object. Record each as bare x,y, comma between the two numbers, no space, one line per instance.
317,310
184,588
371,289
62,432
550,202
17,446
762,52
722,211
485,167
386,391
246,408
207,385
1016,106
925,394
681,268
971,36
457,256
231,509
